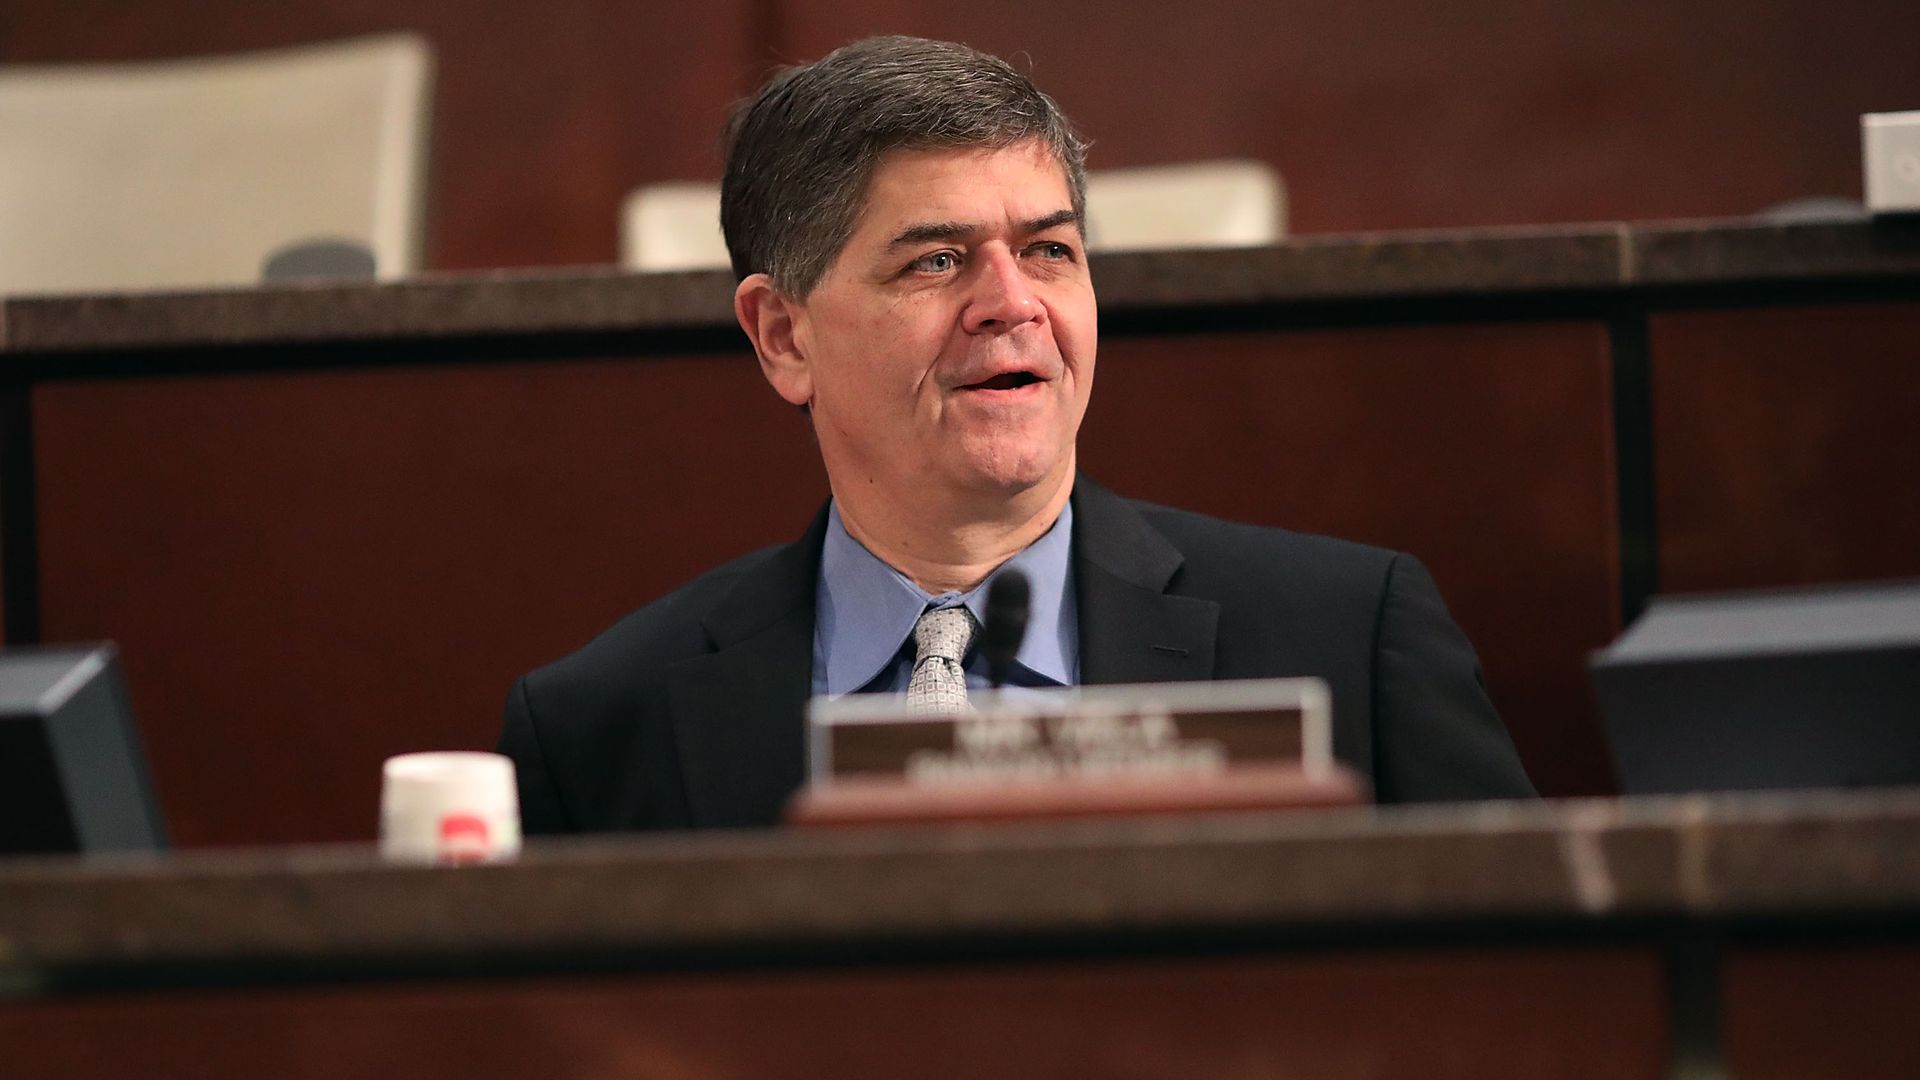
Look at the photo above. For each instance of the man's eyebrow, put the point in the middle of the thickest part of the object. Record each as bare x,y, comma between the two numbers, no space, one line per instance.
927,231
1051,221
932,230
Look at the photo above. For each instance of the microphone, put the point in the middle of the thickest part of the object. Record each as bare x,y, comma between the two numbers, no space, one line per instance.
1006,623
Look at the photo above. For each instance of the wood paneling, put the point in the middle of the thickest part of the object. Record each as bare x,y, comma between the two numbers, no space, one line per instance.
1383,114
1484,450
1822,1011
310,531
16,504
1784,445
546,113
308,572
1379,1016
1403,114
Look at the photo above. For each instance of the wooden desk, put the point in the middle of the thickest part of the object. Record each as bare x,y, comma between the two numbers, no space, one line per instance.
1771,936
331,523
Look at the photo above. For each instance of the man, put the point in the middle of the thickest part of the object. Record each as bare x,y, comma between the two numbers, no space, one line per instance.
906,221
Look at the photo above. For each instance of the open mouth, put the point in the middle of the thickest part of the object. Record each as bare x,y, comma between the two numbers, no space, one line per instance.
1012,380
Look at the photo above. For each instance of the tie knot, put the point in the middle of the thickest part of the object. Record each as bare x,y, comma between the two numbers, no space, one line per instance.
945,633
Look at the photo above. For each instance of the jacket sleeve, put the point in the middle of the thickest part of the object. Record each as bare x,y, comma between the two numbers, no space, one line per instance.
1436,734
541,811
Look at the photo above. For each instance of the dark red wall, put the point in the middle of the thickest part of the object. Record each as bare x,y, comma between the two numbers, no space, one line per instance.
1382,114
1393,114
309,572
1483,449
1590,1013
1786,445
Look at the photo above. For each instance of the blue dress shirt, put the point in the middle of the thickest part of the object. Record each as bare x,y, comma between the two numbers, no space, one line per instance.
865,611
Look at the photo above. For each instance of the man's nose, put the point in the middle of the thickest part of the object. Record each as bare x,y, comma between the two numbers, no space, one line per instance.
1002,298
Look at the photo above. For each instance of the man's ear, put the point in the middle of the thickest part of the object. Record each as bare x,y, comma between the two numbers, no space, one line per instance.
769,317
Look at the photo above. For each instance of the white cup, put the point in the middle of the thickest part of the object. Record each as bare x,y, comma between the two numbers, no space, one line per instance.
450,807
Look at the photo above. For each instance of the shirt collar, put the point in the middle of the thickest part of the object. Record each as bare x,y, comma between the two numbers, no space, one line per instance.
867,609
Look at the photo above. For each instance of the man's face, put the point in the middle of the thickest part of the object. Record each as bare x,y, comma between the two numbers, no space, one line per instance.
949,348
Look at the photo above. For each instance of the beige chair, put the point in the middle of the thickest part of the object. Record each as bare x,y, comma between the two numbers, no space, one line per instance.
676,226
672,226
187,173
1201,204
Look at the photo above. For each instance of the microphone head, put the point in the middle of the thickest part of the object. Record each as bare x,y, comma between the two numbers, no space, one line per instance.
1007,603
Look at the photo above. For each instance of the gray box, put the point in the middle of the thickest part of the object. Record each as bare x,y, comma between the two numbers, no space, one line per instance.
1890,151
1803,688
72,775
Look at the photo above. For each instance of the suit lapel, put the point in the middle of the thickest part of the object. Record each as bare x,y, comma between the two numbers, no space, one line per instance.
1131,628
739,712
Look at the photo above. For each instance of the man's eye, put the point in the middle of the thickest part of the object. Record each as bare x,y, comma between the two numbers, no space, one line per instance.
1053,249
938,262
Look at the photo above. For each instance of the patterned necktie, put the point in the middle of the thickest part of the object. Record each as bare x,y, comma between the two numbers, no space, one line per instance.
940,640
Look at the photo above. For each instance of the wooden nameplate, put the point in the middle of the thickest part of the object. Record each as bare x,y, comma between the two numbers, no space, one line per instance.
1150,749
892,802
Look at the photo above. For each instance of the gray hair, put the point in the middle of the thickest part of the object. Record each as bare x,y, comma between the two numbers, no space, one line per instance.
800,153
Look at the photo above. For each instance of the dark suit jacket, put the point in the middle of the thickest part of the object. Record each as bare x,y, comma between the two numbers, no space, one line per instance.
689,712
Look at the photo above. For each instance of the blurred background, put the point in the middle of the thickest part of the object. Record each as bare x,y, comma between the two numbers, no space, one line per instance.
331,522
1380,114
318,549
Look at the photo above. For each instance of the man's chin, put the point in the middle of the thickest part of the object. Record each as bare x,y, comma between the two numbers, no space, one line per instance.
1007,472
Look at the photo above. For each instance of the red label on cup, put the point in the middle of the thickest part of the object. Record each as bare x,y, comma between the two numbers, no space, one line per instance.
464,839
